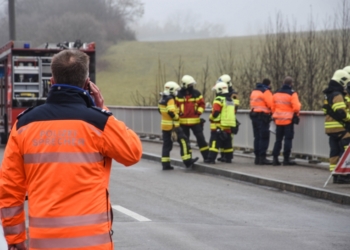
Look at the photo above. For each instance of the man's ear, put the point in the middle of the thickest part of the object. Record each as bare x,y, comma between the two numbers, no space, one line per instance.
87,84
52,81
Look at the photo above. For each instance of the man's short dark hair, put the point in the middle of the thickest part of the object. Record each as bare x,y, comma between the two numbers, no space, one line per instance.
71,67
288,80
266,82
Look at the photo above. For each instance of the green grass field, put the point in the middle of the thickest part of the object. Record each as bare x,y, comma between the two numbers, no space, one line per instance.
131,66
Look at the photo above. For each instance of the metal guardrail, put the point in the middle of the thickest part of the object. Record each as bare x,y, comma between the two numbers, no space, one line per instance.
310,139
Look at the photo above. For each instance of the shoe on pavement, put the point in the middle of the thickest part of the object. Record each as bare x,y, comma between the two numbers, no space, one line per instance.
190,163
264,161
289,163
168,168
275,161
209,161
256,161
221,159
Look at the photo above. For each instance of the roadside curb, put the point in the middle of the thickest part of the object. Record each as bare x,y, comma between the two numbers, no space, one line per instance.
300,162
285,186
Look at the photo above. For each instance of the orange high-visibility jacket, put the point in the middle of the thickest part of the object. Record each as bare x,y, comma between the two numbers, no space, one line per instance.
60,154
191,106
286,104
261,99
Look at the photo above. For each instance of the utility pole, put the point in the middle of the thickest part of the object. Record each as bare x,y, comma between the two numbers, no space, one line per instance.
12,20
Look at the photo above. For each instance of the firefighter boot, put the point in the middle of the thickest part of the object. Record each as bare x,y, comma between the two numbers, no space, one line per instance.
205,154
275,161
209,161
189,163
264,161
167,166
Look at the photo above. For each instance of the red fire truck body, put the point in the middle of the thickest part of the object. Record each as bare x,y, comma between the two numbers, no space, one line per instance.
25,74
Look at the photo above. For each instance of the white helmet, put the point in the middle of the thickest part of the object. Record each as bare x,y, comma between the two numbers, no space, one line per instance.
171,88
342,77
347,69
225,78
187,80
220,88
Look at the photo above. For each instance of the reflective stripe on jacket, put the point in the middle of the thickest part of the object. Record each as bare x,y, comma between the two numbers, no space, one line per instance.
225,109
286,104
191,106
166,107
261,100
60,154
334,97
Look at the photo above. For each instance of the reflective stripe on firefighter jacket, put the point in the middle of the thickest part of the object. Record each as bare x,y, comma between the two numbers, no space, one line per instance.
59,153
286,104
226,117
261,99
334,97
169,112
191,106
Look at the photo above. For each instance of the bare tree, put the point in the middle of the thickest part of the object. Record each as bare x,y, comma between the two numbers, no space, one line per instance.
179,71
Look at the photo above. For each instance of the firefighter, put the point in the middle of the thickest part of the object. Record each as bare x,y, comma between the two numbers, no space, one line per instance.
337,120
285,111
191,105
261,105
60,155
222,120
171,129
234,95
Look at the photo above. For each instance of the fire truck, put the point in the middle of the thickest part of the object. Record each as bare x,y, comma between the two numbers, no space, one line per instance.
25,74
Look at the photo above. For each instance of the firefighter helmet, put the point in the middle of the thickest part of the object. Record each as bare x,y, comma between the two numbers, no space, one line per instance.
221,88
347,69
342,77
187,80
171,88
225,78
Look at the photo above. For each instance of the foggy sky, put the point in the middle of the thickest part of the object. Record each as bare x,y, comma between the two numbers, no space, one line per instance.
242,17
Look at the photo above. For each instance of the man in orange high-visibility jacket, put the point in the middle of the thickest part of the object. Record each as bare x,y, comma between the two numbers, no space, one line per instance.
59,153
261,105
285,111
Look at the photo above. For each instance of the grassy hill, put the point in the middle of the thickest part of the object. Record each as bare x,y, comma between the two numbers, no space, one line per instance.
131,66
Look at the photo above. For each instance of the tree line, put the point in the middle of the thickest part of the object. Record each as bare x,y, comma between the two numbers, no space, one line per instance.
309,56
103,21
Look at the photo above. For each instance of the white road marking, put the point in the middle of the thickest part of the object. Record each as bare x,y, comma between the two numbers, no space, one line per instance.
130,213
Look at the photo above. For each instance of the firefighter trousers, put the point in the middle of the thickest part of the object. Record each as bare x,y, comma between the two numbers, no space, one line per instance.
338,142
185,148
197,130
224,144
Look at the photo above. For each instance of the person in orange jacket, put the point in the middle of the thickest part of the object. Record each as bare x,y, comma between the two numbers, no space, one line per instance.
60,155
285,111
261,106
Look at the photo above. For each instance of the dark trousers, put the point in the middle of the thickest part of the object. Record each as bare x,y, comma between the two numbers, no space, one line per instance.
185,148
261,135
217,143
197,130
285,132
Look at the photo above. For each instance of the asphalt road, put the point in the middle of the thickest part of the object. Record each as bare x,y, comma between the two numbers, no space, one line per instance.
182,209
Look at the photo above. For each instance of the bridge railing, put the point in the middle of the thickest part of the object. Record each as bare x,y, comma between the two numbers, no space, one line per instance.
309,141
